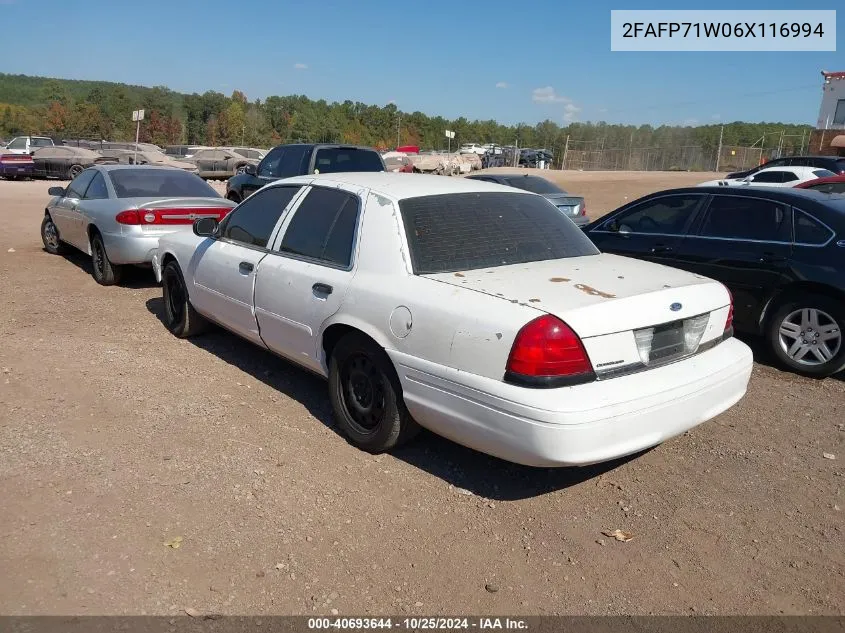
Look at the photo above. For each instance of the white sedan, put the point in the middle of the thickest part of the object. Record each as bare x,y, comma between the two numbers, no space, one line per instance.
473,309
773,177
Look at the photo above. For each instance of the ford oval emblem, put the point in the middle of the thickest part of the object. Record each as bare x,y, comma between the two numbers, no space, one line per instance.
675,307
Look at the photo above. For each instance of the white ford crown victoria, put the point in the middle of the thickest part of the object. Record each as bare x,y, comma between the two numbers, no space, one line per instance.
475,310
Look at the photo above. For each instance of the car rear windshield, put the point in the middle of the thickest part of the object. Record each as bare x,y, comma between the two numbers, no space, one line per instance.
533,184
330,160
466,231
823,173
151,183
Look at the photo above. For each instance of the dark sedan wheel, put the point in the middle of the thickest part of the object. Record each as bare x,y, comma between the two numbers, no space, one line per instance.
179,315
50,237
105,273
74,171
366,396
806,335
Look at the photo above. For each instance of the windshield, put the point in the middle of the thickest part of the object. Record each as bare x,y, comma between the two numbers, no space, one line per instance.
151,183
330,160
466,231
534,184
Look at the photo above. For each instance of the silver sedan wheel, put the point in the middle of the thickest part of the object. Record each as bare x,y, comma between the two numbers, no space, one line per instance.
51,235
810,336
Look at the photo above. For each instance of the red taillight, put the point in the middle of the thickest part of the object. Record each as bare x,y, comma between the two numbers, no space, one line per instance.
547,353
158,217
16,158
729,322
128,217
584,208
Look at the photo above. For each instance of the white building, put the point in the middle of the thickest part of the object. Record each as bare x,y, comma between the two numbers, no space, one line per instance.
832,111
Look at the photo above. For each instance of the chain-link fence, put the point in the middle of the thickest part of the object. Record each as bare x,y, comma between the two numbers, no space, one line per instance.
737,158
590,156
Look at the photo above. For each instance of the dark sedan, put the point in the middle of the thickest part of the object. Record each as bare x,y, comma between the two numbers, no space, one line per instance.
831,184
781,252
574,207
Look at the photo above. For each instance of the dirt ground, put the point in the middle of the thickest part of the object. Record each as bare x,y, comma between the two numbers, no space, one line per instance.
116,439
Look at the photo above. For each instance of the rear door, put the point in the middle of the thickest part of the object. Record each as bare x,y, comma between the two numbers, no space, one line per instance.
306,278
744,242
651,230
224,268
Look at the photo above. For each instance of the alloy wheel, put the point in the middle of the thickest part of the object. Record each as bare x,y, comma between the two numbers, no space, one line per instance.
810,336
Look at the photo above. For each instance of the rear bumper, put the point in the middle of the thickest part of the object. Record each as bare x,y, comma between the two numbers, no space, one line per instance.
17,170
578,425
130,249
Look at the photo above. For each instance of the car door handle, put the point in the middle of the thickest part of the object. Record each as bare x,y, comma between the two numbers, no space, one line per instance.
660,248
246,267
771,258
324,289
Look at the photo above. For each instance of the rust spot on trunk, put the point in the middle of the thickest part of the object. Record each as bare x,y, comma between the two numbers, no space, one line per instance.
534,300
592,291
460,275
557,280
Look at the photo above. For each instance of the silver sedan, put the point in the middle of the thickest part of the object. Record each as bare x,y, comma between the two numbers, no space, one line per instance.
117,213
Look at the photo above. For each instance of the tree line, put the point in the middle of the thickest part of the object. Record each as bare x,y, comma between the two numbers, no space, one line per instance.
102,111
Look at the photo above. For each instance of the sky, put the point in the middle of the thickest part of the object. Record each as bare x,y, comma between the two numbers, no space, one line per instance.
515,62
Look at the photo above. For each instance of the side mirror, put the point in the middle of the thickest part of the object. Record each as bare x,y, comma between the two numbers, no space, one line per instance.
56,191
206,227
251,170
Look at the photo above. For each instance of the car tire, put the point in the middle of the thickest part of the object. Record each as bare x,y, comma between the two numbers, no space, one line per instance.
74,171
366,396
50,237
797,332
179,315
104,272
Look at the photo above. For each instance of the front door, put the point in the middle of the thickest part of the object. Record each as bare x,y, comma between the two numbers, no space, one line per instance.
65,214
305,280
224,269
744,242
652,230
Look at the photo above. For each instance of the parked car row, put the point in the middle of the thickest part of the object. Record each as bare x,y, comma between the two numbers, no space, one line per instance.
477,309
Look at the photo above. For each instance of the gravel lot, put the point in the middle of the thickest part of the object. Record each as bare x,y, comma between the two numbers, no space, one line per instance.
117,439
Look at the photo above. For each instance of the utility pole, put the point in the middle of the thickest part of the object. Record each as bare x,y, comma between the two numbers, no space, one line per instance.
719,151
565,152
801,151
780,144
243,135
821,142
398,128
630,150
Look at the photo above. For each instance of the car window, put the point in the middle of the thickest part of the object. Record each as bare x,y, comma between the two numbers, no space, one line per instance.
149,182
79,184
41,142
18,143
667,215
822,173
323,227
829,187
252,221
269,167
534,184
788,176
97,189
808,230
769,176
745,218
466,231
331,160
291,162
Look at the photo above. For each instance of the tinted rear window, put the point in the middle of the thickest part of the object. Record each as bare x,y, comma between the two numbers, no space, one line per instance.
150,183
330,160
466,231
534,184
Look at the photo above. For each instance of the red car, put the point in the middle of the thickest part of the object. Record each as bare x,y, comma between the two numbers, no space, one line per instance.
830,184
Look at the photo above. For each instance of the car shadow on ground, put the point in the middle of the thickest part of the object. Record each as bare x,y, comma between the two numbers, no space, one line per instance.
134,277
457,465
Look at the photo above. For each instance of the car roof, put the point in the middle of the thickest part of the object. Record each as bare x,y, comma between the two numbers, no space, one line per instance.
116,167
792,168
791,195
401,186
506,175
